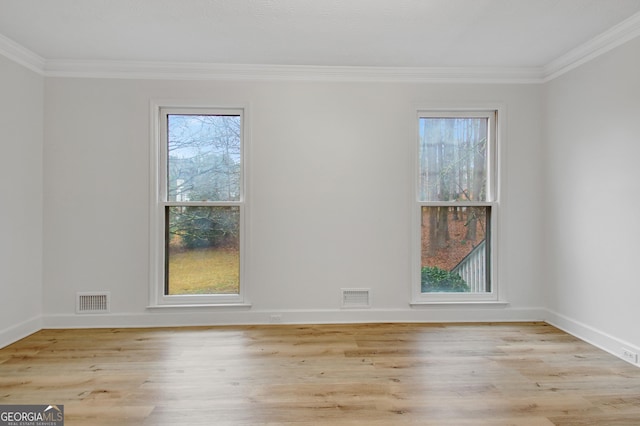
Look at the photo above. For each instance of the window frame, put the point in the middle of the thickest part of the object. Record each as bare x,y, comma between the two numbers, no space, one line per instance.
159,200
496,116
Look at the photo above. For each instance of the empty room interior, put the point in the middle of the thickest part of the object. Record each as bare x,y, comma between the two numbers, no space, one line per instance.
321,212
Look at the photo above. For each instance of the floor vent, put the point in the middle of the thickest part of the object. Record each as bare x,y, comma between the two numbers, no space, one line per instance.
93,303
356,298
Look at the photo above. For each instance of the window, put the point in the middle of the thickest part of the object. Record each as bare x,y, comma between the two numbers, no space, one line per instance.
198,214
455,207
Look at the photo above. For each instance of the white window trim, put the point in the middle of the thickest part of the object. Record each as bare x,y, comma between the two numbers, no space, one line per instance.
158,192
495,183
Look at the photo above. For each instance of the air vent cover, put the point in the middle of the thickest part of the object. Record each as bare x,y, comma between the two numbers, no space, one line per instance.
93,303
356,297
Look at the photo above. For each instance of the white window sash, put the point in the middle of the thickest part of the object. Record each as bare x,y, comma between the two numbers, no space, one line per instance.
159,201
496,116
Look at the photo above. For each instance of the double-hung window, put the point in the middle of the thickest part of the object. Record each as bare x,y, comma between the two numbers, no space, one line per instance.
455,209
199,207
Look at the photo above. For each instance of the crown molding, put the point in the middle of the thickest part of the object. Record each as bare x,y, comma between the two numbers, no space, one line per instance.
21,55
599,45
610,39
203,71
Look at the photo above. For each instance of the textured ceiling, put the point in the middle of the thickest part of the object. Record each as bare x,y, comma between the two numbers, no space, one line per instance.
396,33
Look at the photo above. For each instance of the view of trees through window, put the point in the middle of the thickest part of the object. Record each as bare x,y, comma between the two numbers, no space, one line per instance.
202,210
453,183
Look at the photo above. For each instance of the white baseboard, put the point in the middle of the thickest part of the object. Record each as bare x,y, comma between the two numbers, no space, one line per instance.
592,335
171,317
19,331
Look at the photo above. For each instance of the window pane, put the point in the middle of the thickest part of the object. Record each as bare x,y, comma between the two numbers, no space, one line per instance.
455,252
453,159
203,250
203,157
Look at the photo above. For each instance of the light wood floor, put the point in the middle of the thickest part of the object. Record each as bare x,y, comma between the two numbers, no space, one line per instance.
382,374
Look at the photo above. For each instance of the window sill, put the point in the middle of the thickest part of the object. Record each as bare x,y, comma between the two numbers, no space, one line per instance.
200,305
496,303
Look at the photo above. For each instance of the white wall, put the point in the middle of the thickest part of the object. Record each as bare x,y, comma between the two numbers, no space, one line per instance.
21,115
593,172
330,198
